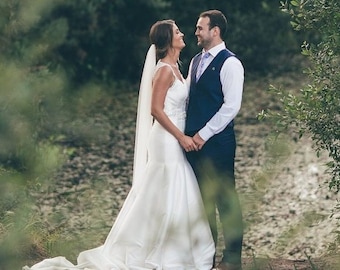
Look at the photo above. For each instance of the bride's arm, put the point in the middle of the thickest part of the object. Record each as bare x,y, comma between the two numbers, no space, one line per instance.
163,80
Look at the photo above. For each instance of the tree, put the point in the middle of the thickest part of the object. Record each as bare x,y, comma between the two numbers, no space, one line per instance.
315,110
107,40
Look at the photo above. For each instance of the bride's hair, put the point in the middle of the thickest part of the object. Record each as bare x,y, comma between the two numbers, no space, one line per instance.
161,34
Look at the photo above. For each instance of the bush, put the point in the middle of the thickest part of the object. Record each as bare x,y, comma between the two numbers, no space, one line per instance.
31,91
315,110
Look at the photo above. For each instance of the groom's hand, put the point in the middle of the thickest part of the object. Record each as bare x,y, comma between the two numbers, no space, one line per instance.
198,141
187,143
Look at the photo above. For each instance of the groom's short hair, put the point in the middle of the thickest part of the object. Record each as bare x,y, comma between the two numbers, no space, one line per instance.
217,18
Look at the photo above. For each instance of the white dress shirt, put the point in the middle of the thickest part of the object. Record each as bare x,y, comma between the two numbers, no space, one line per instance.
232,78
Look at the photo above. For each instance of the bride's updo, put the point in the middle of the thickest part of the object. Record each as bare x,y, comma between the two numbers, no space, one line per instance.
161,34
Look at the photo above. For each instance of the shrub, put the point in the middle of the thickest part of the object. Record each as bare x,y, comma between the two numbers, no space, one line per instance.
315,109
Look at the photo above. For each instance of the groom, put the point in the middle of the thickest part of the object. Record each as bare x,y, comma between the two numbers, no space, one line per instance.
216,84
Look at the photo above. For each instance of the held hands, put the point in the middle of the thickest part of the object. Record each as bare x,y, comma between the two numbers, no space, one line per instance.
188,143
199,142
191,143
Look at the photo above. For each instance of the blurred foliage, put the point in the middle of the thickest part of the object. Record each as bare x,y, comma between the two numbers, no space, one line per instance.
55,57
315,109
107,40
32,93
29,90
39,105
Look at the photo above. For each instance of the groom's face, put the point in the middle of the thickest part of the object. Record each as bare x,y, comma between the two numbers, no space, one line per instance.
203,33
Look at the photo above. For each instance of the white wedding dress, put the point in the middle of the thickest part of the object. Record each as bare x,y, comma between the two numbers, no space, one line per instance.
161,224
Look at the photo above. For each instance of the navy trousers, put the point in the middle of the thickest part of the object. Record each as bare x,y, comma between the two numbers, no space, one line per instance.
214,169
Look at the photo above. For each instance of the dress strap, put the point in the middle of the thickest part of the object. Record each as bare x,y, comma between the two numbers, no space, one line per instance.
162,64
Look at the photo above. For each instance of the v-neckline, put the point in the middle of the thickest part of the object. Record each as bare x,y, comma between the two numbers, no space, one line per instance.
181,80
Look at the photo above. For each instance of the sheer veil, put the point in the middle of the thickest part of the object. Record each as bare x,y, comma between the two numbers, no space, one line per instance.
144,117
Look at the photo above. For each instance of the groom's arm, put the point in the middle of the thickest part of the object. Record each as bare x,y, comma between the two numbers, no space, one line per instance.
232,78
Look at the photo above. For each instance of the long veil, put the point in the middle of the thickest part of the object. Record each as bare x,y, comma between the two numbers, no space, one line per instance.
144,117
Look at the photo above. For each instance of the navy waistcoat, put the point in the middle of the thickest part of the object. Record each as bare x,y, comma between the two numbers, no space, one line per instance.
205,96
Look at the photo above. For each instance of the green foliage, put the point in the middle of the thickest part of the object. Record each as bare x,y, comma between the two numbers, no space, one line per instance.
28,87
315,110
107,40
44,44
38,115
31,89
261,36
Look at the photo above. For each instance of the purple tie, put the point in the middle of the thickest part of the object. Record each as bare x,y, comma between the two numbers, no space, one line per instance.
200,69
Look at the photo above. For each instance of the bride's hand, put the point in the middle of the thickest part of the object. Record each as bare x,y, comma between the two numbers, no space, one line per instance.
188,143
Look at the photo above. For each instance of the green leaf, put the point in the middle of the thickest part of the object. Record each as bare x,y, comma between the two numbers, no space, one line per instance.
294,3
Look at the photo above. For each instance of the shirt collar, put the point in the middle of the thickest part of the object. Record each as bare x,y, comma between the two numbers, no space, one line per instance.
215,50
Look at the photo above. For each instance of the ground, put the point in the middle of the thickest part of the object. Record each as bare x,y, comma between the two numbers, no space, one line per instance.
286,203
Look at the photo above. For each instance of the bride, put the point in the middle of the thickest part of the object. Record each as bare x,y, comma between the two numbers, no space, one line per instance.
162,224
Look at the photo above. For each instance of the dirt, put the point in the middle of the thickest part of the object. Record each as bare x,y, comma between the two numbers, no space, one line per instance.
287,206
